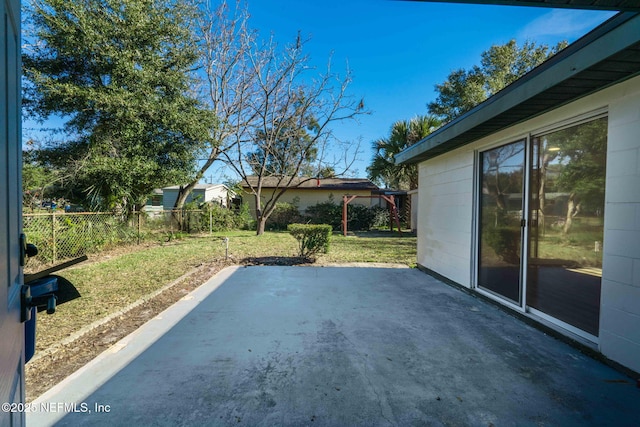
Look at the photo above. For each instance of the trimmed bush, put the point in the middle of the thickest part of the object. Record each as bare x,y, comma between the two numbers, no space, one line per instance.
312,238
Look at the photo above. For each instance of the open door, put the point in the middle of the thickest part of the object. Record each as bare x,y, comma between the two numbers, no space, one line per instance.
11,327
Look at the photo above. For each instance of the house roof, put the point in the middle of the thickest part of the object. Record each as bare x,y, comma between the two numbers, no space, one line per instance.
606,56
306,183
622,5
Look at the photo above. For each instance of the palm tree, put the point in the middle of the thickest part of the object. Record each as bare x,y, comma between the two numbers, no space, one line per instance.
403,134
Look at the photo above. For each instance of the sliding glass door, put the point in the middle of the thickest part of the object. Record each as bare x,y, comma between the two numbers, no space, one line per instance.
567,224
558,218
500,219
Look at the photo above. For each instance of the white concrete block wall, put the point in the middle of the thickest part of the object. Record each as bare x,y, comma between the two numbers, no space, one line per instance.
620,303
445,215
446,212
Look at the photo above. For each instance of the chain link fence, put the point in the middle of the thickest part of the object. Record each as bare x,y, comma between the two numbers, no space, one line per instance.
63,236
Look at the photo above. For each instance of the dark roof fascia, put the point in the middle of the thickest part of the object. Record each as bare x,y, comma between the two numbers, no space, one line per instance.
358,184
322,188
615,5
613,36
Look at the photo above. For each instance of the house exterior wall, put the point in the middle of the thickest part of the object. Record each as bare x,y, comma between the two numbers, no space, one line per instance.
445,215
413,219
446,212
214,193
620,303
169,197
304,198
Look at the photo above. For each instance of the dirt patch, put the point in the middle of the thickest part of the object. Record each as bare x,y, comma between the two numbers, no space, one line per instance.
49,370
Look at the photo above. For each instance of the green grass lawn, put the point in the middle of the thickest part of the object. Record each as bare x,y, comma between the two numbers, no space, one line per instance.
112,283
375,246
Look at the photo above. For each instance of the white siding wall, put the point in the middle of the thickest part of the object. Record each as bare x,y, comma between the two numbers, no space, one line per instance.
217,194
445,215
205,195
620,304
445,243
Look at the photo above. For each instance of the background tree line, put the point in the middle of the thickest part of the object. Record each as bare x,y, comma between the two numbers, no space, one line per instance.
153,92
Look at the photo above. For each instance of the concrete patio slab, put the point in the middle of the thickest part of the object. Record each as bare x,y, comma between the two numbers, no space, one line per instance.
334,346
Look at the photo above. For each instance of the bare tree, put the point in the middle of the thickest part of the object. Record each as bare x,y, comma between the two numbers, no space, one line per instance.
230,81
292,115
274,117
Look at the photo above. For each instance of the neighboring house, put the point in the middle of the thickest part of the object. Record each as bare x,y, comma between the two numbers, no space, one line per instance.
154,202
305,192
532,199
216,193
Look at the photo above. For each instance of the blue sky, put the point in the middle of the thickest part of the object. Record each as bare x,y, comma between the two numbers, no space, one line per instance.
398,50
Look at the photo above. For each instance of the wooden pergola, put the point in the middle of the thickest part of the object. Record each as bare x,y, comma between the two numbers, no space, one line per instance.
393,211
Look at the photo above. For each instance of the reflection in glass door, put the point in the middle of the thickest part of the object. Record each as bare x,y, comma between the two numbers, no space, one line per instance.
567,224
500,218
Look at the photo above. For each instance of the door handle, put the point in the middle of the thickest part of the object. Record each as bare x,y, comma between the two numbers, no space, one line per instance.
26,249
38,293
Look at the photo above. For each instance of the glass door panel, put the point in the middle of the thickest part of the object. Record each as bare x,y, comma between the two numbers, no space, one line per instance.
567,224
500,217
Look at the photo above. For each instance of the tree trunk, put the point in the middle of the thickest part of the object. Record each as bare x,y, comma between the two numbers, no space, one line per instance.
184,192
572,210
262,221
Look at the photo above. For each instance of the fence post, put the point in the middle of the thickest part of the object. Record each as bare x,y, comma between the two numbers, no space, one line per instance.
210,221
53,234
138,227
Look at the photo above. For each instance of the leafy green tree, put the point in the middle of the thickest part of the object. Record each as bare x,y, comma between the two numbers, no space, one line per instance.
581,159
403,134
120,73
499,66
35,179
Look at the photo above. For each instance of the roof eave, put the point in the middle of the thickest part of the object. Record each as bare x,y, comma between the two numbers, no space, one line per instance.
619,5
614,36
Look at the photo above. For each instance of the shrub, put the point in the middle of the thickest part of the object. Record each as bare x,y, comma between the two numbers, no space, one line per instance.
325,213
359,218
222,219
283,215
244,221
215,217
505,241
381,217
312,238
